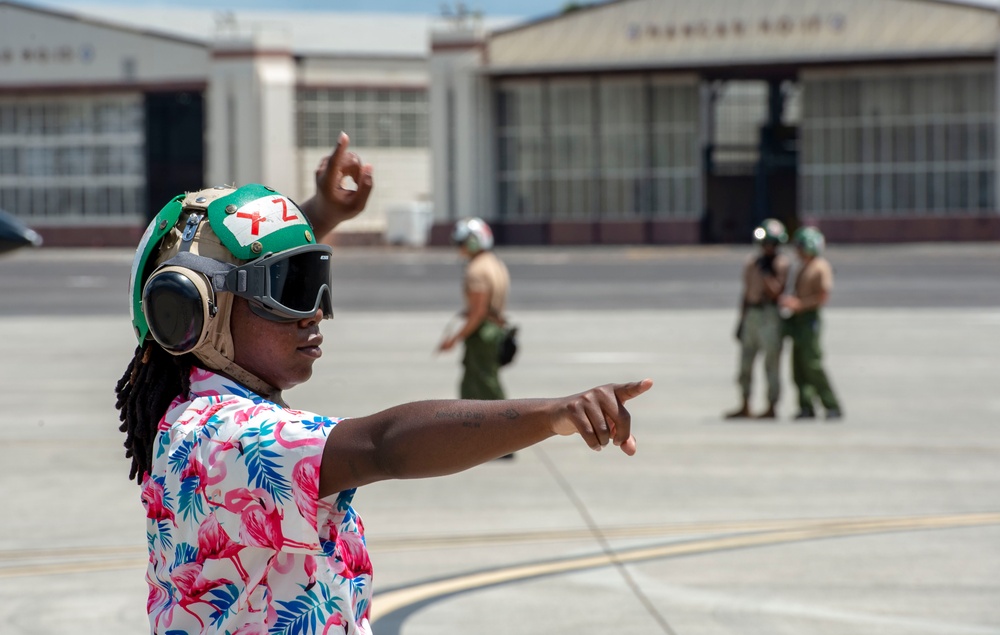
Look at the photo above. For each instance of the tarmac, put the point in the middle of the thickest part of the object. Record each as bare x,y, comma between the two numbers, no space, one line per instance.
886,522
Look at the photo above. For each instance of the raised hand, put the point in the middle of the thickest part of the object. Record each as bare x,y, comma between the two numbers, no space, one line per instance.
599,415
334,203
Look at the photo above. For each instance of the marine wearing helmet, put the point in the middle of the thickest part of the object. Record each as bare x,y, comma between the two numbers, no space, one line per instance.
771,231
810,240
473,234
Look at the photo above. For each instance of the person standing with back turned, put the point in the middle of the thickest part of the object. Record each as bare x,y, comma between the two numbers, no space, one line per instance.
485,286
812,290
760,327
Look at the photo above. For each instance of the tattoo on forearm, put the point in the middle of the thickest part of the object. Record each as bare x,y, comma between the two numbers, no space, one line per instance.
461,414
469,418
472,418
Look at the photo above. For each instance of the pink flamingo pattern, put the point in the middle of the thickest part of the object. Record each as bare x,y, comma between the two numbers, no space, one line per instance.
239,540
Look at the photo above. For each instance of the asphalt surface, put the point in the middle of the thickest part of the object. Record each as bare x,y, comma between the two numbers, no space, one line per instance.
884,523
92,282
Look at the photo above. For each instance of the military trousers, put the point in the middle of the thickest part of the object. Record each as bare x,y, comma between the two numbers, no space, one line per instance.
481,379
761,333
807,363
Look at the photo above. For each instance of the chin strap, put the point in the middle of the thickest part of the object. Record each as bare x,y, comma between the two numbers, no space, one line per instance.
217,351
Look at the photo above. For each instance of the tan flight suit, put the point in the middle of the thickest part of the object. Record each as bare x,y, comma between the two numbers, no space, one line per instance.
485,273
761,326
804,328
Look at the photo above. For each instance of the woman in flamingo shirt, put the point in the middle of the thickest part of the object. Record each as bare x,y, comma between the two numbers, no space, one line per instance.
250,524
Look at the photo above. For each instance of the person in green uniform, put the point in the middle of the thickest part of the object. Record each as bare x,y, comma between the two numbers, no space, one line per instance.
485,287
760,327
811,292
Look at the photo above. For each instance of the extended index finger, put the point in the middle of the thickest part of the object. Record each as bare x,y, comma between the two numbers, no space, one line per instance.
624,392
622,419
330,169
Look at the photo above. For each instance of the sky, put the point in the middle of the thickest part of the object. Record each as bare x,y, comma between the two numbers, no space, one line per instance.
519,8
522,8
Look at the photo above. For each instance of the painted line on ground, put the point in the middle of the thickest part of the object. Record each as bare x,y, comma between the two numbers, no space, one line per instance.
386,603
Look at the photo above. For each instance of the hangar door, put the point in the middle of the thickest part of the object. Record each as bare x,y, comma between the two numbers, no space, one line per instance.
750,156
175,147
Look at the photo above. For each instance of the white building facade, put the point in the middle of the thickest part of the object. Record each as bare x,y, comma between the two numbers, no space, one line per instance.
104,118
625,122
681,121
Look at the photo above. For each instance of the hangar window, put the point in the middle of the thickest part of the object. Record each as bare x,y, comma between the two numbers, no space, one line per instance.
597,147
573,157
79,158
904,142
374,118
524,184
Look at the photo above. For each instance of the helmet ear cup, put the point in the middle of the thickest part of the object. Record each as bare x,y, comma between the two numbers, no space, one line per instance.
472,243
178,304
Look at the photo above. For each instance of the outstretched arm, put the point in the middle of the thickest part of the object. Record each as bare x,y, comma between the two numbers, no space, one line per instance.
333,203
434,438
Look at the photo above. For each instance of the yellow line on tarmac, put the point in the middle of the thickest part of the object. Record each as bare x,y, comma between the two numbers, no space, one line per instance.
69,553
389,602
62,568
47,561
69,560
402,543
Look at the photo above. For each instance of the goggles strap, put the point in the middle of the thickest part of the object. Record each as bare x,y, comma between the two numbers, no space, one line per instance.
220,275
215,270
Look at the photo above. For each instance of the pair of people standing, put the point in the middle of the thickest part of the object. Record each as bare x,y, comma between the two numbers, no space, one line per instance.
768,314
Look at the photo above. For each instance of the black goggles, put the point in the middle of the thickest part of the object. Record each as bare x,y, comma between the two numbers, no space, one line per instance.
282,287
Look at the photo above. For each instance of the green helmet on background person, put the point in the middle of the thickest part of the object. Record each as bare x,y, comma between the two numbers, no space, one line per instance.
810,240
203,249
771,231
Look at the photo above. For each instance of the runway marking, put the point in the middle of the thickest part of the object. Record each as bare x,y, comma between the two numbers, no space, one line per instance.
64,561
404,543
59,569
389,602
119,553
584,534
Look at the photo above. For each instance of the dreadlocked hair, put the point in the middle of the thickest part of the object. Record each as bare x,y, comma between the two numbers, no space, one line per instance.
152,380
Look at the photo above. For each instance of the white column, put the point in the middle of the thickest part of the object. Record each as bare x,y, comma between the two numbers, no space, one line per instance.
460,147
251,113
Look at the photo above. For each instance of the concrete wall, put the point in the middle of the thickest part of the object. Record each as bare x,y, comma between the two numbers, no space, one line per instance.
44,49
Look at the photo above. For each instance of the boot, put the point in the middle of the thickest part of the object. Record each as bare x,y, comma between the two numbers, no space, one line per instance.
742,413
768,414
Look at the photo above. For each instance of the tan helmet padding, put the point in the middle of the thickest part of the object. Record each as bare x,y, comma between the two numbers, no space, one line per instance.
217,350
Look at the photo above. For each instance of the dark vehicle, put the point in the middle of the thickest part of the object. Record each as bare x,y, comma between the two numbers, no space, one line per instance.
14,233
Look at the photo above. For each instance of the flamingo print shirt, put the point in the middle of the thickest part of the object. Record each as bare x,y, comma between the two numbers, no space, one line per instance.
239,540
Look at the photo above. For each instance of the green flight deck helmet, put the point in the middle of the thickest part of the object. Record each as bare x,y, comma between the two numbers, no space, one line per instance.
810,240
771,231
205,247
